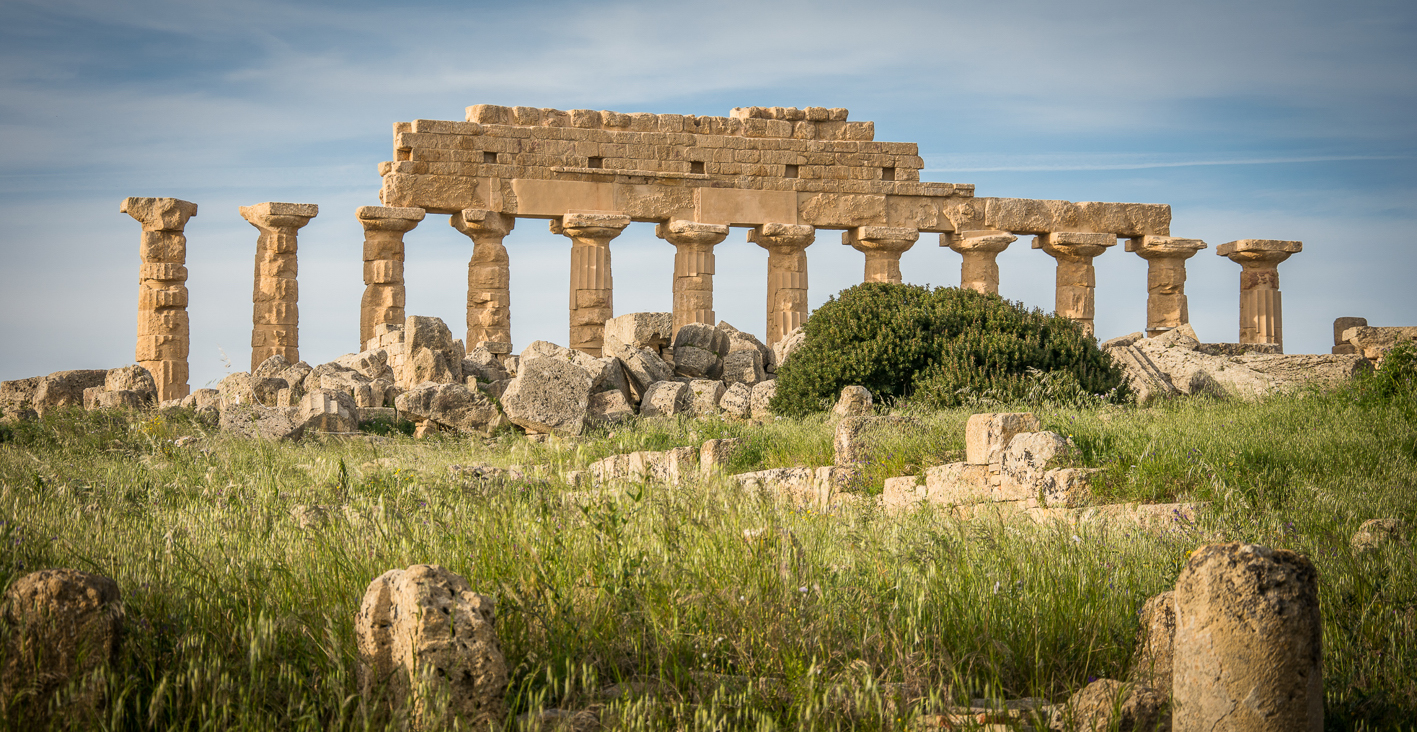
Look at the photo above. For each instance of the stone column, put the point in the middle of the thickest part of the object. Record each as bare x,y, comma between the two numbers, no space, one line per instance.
1261,317
592,287
787,274
1249,642
1165,279
164,332
980,249
1077,279
275,317
489,295
384,227
693,268
882,246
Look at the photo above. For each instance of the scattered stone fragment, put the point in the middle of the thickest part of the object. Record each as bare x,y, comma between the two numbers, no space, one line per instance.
737,401
64,389
987,434
610,407
258,421
855,401
1155,643
1248,641
1375,534
309,517
454,406
61,624
640,330
1028,457
328,411
667,399
714,454
761,399
1106,705
424,632
744,367
784,348
706,396
549,395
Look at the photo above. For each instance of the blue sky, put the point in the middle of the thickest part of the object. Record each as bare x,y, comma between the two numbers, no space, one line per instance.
1276,120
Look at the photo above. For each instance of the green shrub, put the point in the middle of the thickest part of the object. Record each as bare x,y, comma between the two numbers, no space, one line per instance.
938,348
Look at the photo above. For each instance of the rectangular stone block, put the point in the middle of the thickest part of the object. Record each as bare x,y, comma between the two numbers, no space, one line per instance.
383,271
275,289
987,434
168,321
741,207
171,272
384,296
841,209
163,246
152,298
556,197
957,484
434,193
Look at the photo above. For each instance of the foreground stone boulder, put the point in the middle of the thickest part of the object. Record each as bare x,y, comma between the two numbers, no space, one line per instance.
17,398
549,395
1248,641
453,406
737,401
1106,705
60,624
424,633
667,399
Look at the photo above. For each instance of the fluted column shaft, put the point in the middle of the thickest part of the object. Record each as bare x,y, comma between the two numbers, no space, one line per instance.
1166,256
882,246
693,268
979,271
1261,311
383,302
164,330
1076,277
592,286
787,275
275,316
489,276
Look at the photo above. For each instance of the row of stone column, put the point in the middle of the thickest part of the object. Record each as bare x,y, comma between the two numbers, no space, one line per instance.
164,330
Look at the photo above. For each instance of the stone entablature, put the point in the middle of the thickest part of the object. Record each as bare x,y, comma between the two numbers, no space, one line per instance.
757,166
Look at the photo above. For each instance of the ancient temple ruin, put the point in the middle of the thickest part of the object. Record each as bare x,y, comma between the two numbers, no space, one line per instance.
783,174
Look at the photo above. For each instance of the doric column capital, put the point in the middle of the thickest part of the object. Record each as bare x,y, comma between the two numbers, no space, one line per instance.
880,238
789,237
1074,245
1259,253
388,218
681,232
159,214
475,222
990,241
592,226
1164,247
274,215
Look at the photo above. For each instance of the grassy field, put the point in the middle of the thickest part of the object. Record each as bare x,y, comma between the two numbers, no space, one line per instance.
701,606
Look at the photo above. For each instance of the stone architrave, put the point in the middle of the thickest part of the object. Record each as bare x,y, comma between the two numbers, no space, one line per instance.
882,246
787,274
592,286
980,249
1077,278
693,268
275,316
384,227
489,295
1261,317
163,327
1165,279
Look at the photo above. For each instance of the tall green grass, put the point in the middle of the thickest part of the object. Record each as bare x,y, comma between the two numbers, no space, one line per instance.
712,606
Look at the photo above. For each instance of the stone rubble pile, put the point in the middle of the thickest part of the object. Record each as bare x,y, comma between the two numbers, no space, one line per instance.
1175,363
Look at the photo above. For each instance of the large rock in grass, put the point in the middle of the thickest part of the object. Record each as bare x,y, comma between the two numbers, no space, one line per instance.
1375,534
61,624
855,401
133,378
453,406
549,395
65,389
244,388
1248,641
706,396
423,633
17,398
640,330
737,401
1106,704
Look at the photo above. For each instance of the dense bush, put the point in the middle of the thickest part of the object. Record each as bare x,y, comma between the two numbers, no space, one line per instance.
938,348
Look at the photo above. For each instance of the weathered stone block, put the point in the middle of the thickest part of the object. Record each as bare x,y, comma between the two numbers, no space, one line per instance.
987,434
